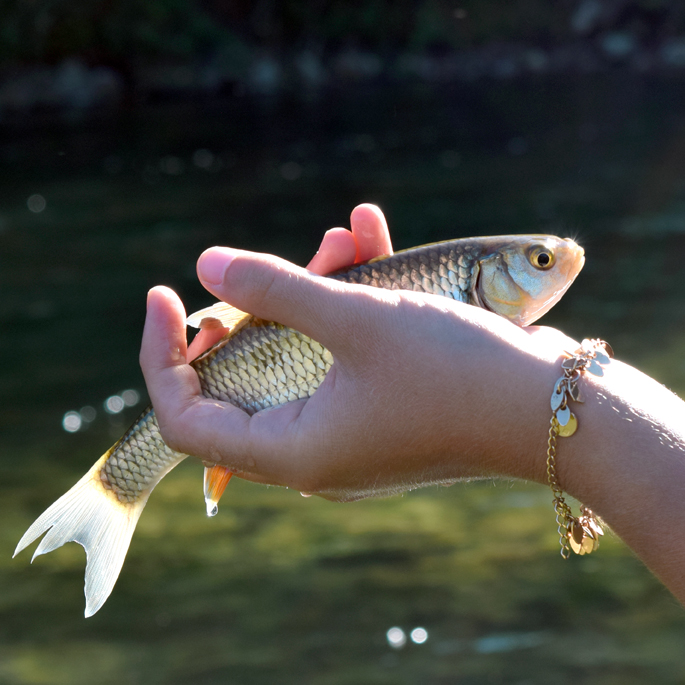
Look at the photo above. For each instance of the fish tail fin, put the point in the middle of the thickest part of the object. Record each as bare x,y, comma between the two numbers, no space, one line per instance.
94,517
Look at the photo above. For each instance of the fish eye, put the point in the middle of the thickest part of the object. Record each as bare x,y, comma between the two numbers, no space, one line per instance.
542,258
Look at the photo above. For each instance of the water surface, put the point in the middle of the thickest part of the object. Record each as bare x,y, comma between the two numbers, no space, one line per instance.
278,588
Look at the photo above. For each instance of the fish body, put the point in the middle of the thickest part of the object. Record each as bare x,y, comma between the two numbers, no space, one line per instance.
262,364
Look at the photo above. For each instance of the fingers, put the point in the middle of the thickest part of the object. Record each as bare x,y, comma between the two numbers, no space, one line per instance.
189,422
163,350
203,341
276,290
338,250
371,232
193,424
164,341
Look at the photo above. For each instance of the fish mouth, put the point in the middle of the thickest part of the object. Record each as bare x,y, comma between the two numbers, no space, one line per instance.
510,303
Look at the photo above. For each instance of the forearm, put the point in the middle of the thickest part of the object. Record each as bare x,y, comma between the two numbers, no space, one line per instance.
425,389
627,463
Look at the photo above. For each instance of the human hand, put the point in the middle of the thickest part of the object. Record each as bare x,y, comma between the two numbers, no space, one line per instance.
339,248
419,392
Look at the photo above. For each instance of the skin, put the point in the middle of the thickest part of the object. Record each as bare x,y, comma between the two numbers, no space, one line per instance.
423,390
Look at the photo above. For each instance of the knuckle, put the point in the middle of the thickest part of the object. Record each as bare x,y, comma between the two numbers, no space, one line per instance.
175,429
261,287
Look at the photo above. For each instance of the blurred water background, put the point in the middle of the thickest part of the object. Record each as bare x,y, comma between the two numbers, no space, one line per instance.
104,196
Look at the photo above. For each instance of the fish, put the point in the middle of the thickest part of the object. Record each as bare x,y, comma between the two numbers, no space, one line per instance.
260,364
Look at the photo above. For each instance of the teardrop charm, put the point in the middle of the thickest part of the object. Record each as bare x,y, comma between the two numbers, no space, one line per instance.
563,416
602,358
594,368
558,394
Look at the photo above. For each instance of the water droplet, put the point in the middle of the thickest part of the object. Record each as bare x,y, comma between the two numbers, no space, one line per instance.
306,494
212,508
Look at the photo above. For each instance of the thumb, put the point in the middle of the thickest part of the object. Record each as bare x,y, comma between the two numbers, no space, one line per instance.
276,290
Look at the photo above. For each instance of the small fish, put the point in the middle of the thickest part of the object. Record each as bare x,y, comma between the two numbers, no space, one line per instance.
260,364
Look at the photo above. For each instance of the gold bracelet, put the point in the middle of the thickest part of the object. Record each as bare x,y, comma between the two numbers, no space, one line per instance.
578,533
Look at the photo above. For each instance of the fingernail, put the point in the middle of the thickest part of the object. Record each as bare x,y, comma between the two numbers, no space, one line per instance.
213,264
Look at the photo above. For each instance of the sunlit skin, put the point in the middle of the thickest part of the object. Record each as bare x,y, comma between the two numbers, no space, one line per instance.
423,390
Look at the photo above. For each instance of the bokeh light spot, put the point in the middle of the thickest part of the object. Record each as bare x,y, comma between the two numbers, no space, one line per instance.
114,404
88,413
396,637
418,635
291,171
36,203
71,421
130,397
203,159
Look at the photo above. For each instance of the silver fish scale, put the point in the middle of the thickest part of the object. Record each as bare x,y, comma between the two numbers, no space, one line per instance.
436,269
282,365
266,365
137,459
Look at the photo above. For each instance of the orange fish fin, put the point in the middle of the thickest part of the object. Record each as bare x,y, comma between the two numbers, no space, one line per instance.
216,480
219,315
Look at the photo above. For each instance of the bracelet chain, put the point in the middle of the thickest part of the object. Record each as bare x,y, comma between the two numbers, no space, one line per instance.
579,534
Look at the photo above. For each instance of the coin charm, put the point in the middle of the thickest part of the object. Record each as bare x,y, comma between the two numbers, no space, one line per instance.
594,526
587,545
575,535
570,428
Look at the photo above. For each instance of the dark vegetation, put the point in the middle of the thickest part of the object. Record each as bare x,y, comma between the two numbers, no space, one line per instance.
123,32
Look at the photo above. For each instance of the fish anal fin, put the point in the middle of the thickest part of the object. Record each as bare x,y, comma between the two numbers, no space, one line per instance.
216,480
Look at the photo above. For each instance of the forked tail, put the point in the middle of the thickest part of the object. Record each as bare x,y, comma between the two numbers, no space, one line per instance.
93,517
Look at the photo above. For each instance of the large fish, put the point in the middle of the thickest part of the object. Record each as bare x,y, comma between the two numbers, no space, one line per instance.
260,364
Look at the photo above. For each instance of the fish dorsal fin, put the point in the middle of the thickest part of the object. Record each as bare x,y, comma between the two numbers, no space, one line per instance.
219,315
379,258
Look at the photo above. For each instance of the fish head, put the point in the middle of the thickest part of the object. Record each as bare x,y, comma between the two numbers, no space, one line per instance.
523,277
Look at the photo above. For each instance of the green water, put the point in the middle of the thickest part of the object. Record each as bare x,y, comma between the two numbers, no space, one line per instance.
278,588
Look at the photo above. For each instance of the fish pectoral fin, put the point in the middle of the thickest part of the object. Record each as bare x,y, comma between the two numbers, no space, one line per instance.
219,315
